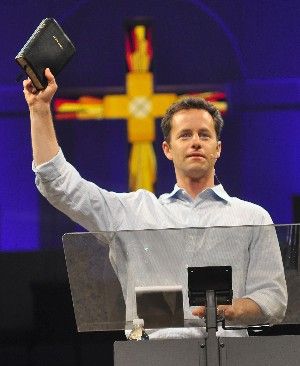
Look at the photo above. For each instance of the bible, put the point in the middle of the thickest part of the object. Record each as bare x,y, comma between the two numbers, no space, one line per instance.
48,46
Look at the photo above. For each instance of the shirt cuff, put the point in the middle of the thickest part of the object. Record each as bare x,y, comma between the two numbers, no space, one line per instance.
51,169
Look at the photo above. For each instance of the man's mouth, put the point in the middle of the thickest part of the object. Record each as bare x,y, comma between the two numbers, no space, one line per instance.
195,155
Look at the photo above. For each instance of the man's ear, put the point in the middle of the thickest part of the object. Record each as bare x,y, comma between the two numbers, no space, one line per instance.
219,149
167,150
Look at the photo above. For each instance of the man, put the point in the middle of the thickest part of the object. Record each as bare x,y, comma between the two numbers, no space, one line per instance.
192,129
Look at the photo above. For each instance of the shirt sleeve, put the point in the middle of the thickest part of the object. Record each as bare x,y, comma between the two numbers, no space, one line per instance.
265,283
84,202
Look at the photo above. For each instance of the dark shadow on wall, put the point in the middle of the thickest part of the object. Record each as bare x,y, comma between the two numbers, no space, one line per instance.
37,325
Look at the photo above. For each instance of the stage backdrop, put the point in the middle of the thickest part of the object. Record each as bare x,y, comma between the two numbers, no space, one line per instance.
249,48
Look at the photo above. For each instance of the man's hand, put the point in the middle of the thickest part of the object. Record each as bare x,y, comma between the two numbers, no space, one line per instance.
38,97
242,312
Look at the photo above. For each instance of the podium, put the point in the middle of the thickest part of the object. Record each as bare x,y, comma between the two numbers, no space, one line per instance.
107,271
258,351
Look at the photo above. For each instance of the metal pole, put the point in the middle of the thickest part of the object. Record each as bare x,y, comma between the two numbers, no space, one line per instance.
212,344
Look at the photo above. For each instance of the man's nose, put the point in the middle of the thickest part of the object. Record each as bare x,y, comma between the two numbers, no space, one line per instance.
196,141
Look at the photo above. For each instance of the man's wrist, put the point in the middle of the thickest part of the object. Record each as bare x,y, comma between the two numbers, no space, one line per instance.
40,108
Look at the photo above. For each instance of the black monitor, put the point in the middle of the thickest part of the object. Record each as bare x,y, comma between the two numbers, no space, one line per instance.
202,279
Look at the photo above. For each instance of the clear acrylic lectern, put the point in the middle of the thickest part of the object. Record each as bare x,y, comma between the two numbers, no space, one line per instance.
116,277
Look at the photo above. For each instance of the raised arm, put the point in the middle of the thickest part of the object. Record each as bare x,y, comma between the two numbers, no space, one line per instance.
43,137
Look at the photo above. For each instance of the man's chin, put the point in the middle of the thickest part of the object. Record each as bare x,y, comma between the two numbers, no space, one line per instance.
197,171
197,174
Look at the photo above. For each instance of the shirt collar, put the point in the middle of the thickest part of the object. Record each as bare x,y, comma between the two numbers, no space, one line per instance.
218,190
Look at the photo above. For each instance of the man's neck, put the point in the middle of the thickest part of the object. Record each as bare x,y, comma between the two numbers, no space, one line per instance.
195,186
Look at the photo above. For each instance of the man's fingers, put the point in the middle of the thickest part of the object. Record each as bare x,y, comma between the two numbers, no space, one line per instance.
26,83
199,311
29,87
226,311
52,86
49,75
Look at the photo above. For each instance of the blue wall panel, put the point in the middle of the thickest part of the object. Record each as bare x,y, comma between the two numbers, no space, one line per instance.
271,159
250,46
19,214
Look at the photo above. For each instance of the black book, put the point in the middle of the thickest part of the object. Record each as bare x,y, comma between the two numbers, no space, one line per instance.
48,46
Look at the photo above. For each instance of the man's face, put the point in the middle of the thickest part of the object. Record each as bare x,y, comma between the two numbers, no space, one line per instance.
193,145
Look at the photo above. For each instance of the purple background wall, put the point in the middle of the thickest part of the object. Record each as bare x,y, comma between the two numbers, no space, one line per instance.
250,47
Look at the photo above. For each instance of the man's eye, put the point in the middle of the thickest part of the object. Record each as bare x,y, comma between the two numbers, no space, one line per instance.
204,136
185,135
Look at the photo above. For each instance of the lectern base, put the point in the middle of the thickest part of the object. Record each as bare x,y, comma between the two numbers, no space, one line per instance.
248,351
168,352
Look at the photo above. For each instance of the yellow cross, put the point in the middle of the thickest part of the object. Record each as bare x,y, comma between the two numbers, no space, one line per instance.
140,106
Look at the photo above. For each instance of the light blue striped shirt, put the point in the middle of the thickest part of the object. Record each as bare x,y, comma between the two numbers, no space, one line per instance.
99,210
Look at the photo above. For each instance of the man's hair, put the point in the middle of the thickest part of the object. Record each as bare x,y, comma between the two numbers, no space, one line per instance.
191,103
